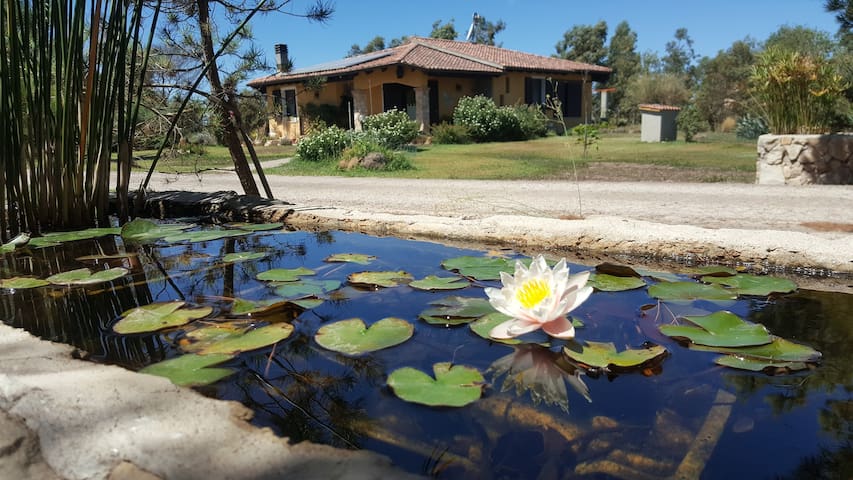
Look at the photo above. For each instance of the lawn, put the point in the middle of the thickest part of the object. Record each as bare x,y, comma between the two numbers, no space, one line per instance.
716,158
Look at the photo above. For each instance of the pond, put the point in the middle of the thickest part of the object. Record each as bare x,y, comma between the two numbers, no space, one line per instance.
543,408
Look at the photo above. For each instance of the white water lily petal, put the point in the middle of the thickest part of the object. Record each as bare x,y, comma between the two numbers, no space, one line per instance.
559,328
513,328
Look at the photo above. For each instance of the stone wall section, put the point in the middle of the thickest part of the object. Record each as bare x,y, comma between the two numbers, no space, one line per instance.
805,159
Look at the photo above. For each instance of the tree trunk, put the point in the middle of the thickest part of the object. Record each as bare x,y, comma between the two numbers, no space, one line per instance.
224,105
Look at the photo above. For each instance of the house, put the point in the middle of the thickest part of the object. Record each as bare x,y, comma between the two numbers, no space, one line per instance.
425,77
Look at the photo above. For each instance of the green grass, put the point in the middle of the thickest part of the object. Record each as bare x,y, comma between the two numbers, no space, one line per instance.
719,155
211,157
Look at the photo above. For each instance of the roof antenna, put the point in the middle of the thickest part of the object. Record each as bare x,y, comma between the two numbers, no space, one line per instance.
475,24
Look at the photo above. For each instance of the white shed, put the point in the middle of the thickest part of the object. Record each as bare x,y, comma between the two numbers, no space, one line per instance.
658,122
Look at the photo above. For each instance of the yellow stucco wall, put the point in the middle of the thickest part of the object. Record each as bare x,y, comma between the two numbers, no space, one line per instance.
372,83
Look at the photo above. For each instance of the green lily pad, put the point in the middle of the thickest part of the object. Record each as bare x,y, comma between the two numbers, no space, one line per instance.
605,356
379,279
616,270
157,316
203,235
658,276
352,337
19,241
202,337
480,268
483,325
242,256
358,258
191,370
758,365
778,350
306,288
453,385
284,274
308,303
53,239
257,307
714,271
455,310
18,283
763,285
719,329
610,283
251,340
433,282
689,291
254,227
83,276
142,230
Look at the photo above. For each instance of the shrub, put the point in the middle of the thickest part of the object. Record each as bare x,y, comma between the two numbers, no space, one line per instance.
690,122
485,121
392,129
448,133
728,125
323,144
532,121
751,127
587,136
362,145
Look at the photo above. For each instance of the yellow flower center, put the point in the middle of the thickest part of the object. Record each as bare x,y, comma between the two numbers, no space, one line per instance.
532,292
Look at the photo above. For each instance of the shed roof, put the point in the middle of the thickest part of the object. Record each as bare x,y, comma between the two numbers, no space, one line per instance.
657,107
441,56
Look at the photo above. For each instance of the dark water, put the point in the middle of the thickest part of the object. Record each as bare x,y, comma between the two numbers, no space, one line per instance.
686,417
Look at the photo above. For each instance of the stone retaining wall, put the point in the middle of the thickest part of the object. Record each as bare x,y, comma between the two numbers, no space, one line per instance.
805,159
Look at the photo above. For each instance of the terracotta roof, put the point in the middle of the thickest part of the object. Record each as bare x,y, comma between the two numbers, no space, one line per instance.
657,107
441,56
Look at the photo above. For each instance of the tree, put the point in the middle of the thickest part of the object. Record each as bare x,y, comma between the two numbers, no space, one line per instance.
196,44
664,88
723,88
485,31
446,31
378,43
680,56
584,43
623,58
806,41
843,11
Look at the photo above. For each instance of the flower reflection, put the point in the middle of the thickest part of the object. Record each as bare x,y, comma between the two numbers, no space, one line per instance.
540,371
538,297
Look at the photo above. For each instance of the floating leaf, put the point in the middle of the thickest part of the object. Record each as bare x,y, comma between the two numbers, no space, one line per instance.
306,288
83,276
358,258
203,235
254,227
616,270
453,385
191,370
744,284
242,256
53,239
19,241
352,337
251,340
778,350
156,316
433,282
714,271
142,230
18,283
284,274
379,279
658,276
257,307
483,325
308,303
609,283
480,268
719,329
689,291
455,310
757,364
605,356
202,337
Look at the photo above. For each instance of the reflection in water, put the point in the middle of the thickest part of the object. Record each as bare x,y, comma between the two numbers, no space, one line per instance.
656,426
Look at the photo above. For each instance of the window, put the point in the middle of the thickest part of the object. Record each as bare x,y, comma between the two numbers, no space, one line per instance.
570,94
288,103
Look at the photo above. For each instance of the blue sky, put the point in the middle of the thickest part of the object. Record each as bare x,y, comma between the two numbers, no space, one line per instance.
535,26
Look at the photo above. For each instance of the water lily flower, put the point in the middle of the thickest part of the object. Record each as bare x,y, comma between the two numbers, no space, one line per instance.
538,297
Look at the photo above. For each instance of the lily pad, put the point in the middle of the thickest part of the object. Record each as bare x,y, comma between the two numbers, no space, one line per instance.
308,303
352,337
609,283
284,274
257,307
83,276
251,340
358,258
191,370
379,279
433,282
745,284
480,268
53,239
758,365
689,291
19,283
202,337
142,230
242,256
616,270
306,288
453,385
455,310
714,271
778,350
157,316
203,235
483,325
255,227
719,329
604,355
19,241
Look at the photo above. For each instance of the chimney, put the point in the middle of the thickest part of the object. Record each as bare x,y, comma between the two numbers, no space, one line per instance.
282,60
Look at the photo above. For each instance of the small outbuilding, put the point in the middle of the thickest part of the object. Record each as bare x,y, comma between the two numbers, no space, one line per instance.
658,122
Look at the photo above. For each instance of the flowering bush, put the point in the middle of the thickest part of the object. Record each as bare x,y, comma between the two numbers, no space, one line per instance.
324,144
392,129
485,121
532,121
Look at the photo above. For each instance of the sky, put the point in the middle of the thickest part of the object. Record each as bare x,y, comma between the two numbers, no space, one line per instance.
535,26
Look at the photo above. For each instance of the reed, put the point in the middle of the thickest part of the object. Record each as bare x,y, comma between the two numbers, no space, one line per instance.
71,77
